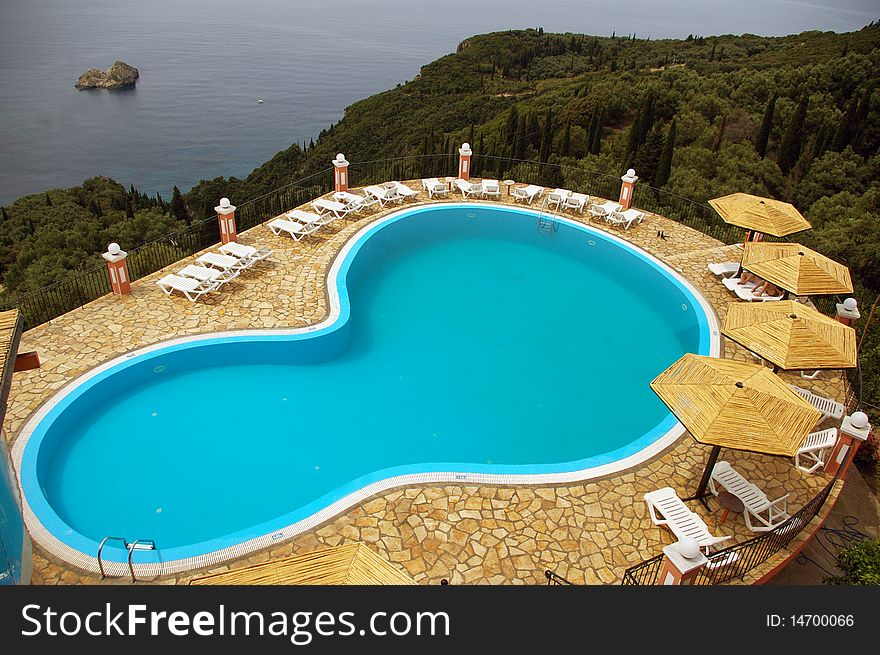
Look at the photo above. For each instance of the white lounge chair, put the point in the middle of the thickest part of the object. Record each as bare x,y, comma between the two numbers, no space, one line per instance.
625,218
353,201
383,194
769,513
403,190
556,197
208,274
491,188
295,229
527,193
814,448
468,189
829,408
310,220
324,206
223,262
190,287
748,294
576,201
731,284
434,187
723,269
243,251
666,508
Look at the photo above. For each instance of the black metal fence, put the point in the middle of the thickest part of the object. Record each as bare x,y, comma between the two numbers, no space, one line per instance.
737,560
554,579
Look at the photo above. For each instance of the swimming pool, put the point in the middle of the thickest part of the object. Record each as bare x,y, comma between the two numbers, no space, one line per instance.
463,344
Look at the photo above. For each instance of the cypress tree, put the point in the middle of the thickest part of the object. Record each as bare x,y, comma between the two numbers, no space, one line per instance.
510,128
766,124
178,207
546,138
565,147
790,149
534,130
861,121
632,143
5,215
822,141
647,122
519,151
648,158
129,211
48,200
720,135
471,135
664,166
844,132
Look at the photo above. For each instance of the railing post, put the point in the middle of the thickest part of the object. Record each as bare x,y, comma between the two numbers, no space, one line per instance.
340,173
117,268
848,311
627,188
226,217
464,161
853,431
682,562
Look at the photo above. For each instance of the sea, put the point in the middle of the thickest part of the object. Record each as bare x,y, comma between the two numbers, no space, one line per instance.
204,65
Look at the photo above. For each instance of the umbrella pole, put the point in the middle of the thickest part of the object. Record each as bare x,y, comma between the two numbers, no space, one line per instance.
707,473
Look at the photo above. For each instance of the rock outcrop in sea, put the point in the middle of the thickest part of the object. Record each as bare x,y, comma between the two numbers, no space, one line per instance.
117,76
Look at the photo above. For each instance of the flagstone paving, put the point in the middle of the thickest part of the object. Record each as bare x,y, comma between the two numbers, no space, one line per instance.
589,532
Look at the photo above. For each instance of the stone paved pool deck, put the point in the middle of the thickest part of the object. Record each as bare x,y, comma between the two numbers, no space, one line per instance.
588,532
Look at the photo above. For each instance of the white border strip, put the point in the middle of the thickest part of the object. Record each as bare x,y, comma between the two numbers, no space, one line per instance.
65,552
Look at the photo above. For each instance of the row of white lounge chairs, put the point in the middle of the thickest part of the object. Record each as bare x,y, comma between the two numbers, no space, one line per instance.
212,270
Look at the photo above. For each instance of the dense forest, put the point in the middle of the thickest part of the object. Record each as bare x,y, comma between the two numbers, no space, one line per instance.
795,117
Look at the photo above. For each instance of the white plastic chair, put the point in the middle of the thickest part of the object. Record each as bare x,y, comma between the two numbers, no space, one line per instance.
190,287
678,518
557,197
338,209
294,229
814,448
723,269
491,188
383,194
208,274
829,408
527,193
768,513
404,191
434,187
243,251
469,189
576,201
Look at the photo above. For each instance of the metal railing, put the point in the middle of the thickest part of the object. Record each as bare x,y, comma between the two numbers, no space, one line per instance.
737,560
554,579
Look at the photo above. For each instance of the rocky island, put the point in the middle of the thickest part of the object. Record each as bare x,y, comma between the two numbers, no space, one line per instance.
117,76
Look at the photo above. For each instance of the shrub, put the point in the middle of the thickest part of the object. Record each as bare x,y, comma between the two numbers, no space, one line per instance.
860,563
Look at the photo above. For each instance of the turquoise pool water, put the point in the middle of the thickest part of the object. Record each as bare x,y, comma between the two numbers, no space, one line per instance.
475,343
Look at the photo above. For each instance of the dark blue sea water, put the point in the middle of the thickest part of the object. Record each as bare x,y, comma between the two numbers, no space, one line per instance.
204,63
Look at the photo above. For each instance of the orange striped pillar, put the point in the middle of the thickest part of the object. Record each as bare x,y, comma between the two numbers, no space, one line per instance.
848,311
226,218
681,563
464,161
120,281
340,173
627,189
854,430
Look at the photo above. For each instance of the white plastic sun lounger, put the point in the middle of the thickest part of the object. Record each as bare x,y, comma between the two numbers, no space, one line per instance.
404,191
383,194
324,206
814,448
208,274
576,201
310,220
491,188
748,294
768,513
353,201
829,408
242,251
190,287
666,508
723,269
527,193
557,197
434,187
468,189
731,284
293,228
222,262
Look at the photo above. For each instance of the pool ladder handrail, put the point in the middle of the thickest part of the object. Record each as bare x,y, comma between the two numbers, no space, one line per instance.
137,544
548,224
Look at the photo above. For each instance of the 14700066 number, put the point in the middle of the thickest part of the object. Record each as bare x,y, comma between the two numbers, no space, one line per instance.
810,621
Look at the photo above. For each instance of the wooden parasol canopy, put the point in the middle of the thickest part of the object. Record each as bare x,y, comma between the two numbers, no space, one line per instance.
797,269
349,564
731,404
791,335
760,214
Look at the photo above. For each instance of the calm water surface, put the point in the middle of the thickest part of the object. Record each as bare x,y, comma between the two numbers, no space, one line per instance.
203,64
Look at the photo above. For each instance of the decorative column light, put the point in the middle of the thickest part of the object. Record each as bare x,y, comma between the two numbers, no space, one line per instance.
226,218
681,562
120,281
854,430
464,161
627,188
340,173
848,311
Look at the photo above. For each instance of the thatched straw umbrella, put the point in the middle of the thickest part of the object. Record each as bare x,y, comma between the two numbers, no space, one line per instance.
729,404
758,214
791,335
797,269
